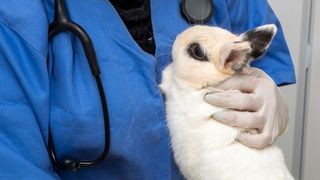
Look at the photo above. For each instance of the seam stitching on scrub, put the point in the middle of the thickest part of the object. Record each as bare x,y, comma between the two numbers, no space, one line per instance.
30,44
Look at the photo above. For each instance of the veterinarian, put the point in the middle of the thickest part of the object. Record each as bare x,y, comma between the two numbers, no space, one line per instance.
49,84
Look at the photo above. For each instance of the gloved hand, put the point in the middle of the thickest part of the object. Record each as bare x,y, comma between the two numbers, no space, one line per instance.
258,104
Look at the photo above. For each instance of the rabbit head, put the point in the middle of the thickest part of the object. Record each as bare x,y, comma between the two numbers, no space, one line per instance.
204,56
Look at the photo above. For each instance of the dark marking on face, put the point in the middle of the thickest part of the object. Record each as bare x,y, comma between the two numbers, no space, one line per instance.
195,51
259,40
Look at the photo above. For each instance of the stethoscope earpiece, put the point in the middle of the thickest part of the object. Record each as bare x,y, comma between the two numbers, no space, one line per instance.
197,11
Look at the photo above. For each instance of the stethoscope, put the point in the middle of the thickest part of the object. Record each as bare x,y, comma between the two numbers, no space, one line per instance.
194,11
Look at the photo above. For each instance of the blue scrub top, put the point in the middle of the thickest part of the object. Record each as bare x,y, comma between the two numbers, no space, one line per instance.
42,85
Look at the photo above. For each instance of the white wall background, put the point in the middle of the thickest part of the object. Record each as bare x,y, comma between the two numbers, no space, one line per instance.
301,145
290,14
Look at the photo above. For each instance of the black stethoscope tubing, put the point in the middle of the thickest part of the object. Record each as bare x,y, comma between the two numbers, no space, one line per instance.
62,23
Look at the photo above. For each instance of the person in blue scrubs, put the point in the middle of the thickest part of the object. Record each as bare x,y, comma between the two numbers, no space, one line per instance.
44,83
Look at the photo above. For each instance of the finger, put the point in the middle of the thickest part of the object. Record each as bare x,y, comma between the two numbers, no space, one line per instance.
234,100
242,83
255,140
245,120
250,71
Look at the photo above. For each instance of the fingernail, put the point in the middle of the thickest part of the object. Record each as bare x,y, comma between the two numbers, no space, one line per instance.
211,97
218,116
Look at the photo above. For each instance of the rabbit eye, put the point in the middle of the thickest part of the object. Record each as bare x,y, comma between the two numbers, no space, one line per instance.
195,51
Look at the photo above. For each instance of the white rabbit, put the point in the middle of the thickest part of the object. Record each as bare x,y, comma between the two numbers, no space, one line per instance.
204,148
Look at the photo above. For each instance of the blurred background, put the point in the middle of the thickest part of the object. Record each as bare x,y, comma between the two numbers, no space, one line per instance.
301,144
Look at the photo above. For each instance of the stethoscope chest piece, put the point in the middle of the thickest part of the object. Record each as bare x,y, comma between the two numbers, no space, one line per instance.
197,11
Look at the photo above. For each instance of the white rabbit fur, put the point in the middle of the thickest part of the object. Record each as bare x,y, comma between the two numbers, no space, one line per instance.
205,149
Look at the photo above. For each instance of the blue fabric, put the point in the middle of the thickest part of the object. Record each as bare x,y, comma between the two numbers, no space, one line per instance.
42,84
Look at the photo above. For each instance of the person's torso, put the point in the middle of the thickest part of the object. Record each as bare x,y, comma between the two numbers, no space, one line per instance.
140,147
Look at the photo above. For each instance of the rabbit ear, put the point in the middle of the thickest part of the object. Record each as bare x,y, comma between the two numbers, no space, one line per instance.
259,38
234,55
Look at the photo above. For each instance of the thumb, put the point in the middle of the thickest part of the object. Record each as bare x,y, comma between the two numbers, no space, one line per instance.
247,71
241,83
254,140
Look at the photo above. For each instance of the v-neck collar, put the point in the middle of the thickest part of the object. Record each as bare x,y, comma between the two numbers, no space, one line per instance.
126,34
103,23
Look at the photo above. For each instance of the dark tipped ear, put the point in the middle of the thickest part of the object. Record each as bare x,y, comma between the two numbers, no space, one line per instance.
260,39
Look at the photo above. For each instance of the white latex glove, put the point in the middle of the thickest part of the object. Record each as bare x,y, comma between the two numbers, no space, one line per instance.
258,105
